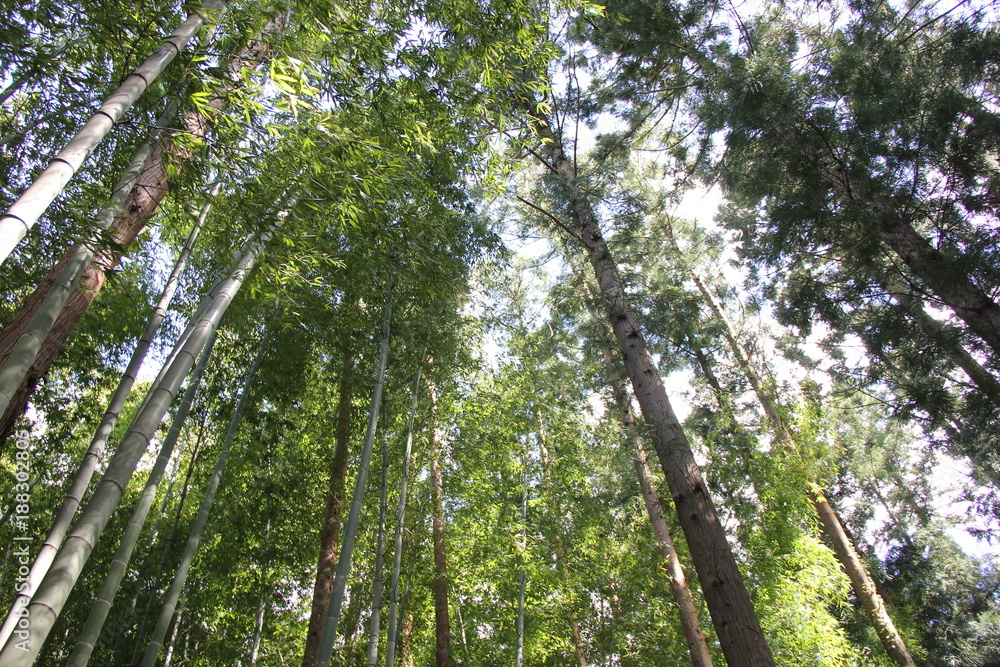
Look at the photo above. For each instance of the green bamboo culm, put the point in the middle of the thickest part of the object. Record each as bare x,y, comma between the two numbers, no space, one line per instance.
96,450
91,632
191,549
40,615
397,559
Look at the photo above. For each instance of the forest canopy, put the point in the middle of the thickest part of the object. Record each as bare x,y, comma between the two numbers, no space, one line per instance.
499,332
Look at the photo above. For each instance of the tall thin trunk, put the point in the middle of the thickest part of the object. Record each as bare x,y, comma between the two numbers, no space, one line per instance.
329,540
168,658
169,545
397,559
23,214
96,450
522,581
55,588
194,539
258,627
442,625
736,623
579,650
325,650
376,614
91,631
873,604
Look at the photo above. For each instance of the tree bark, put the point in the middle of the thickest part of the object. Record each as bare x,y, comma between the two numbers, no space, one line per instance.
690,623
329,540
442,625
733,616
329,633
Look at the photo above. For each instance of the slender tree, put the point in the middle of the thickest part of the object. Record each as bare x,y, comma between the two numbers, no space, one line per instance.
194,539
54,589
102,604
325,650
733,616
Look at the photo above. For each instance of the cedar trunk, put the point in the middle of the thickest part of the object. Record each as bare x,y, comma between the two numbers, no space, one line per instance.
329,540
442,629
733,616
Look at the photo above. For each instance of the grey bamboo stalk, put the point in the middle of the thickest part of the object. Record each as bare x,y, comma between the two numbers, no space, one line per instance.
55,588
258,627
191,549
856,570
522,580
397,559
168,545
91,631
376,614
23,355
325,650
690,623
24,213
168,658
96,450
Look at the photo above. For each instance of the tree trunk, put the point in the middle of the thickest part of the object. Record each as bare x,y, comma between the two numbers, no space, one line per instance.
96,450
325,650
24,213
397,559
138,208
91,631
168,658
376,614
48,602
442,627
522,575
191,549
690,623
952,286
733,616
329,539
842,547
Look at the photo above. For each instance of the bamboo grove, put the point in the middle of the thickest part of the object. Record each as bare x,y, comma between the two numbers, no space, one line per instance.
411,333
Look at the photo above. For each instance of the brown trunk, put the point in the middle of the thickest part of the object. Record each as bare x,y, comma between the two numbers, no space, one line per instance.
863,585
842,547
404,640
329,540
949,284
690,623
139,207
442,627
733,616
